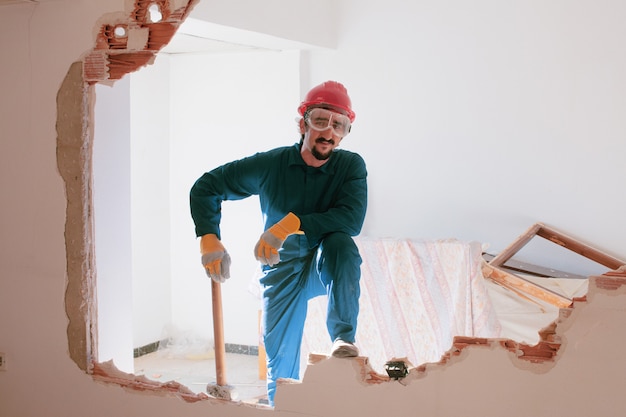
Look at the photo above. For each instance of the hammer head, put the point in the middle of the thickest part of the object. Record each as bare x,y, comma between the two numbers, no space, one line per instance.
225,392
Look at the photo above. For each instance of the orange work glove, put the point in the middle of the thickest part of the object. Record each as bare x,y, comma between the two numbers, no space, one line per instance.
215,259
266,250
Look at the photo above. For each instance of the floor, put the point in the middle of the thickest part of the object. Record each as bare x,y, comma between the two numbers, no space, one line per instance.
196,372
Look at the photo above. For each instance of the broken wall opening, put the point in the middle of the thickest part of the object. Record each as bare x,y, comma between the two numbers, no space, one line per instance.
75,146
189,124
123,45
109,61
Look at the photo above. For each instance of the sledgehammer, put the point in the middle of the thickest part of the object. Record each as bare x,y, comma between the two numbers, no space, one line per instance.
220,389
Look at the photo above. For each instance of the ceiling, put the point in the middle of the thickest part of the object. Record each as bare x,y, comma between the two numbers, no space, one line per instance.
184,43
196,35
199,36
188,39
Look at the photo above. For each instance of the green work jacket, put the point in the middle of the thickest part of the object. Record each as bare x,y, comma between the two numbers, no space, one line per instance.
331,198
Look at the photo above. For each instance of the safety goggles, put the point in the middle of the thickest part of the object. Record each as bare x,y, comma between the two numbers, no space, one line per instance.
322,119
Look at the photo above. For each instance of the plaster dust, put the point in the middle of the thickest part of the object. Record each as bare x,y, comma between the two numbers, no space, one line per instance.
583,353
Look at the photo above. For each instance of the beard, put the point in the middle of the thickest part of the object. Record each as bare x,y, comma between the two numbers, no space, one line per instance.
320,156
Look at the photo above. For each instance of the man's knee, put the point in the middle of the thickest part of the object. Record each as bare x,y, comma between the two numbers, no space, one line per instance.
339,242
340,247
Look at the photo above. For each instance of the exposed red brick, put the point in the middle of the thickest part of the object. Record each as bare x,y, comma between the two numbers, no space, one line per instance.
609,282
95,67
542,351
102,43
549,343
160,35
373,377
111,59
122,64
113,41
548,333
463,341
140,12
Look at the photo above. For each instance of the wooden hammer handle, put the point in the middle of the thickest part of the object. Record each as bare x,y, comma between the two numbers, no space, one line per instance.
218,334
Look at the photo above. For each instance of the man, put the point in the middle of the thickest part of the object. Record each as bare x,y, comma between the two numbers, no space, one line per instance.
313,198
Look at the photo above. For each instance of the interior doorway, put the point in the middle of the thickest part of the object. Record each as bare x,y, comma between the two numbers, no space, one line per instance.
156,131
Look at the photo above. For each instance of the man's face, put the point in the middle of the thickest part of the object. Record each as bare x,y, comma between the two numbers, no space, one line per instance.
323,131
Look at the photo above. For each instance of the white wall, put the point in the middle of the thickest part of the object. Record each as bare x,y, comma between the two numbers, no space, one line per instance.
131,206
224,107
244,99
112,223
150,184
189,115
299,21
501,116
478,119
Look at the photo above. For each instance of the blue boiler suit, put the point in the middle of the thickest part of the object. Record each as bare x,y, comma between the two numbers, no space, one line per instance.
331,203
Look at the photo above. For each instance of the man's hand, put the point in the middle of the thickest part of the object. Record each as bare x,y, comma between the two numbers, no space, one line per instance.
266,250
215,259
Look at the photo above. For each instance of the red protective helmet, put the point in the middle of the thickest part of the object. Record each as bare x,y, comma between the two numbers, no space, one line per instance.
329,93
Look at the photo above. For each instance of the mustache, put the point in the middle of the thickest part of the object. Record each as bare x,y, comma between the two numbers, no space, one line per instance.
324,140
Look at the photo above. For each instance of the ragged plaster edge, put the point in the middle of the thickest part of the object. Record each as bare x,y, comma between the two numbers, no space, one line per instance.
365,372
612,283
539,358
74,146
74,125
107,372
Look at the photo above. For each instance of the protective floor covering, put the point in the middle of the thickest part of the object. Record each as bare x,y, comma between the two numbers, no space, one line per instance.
196,372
